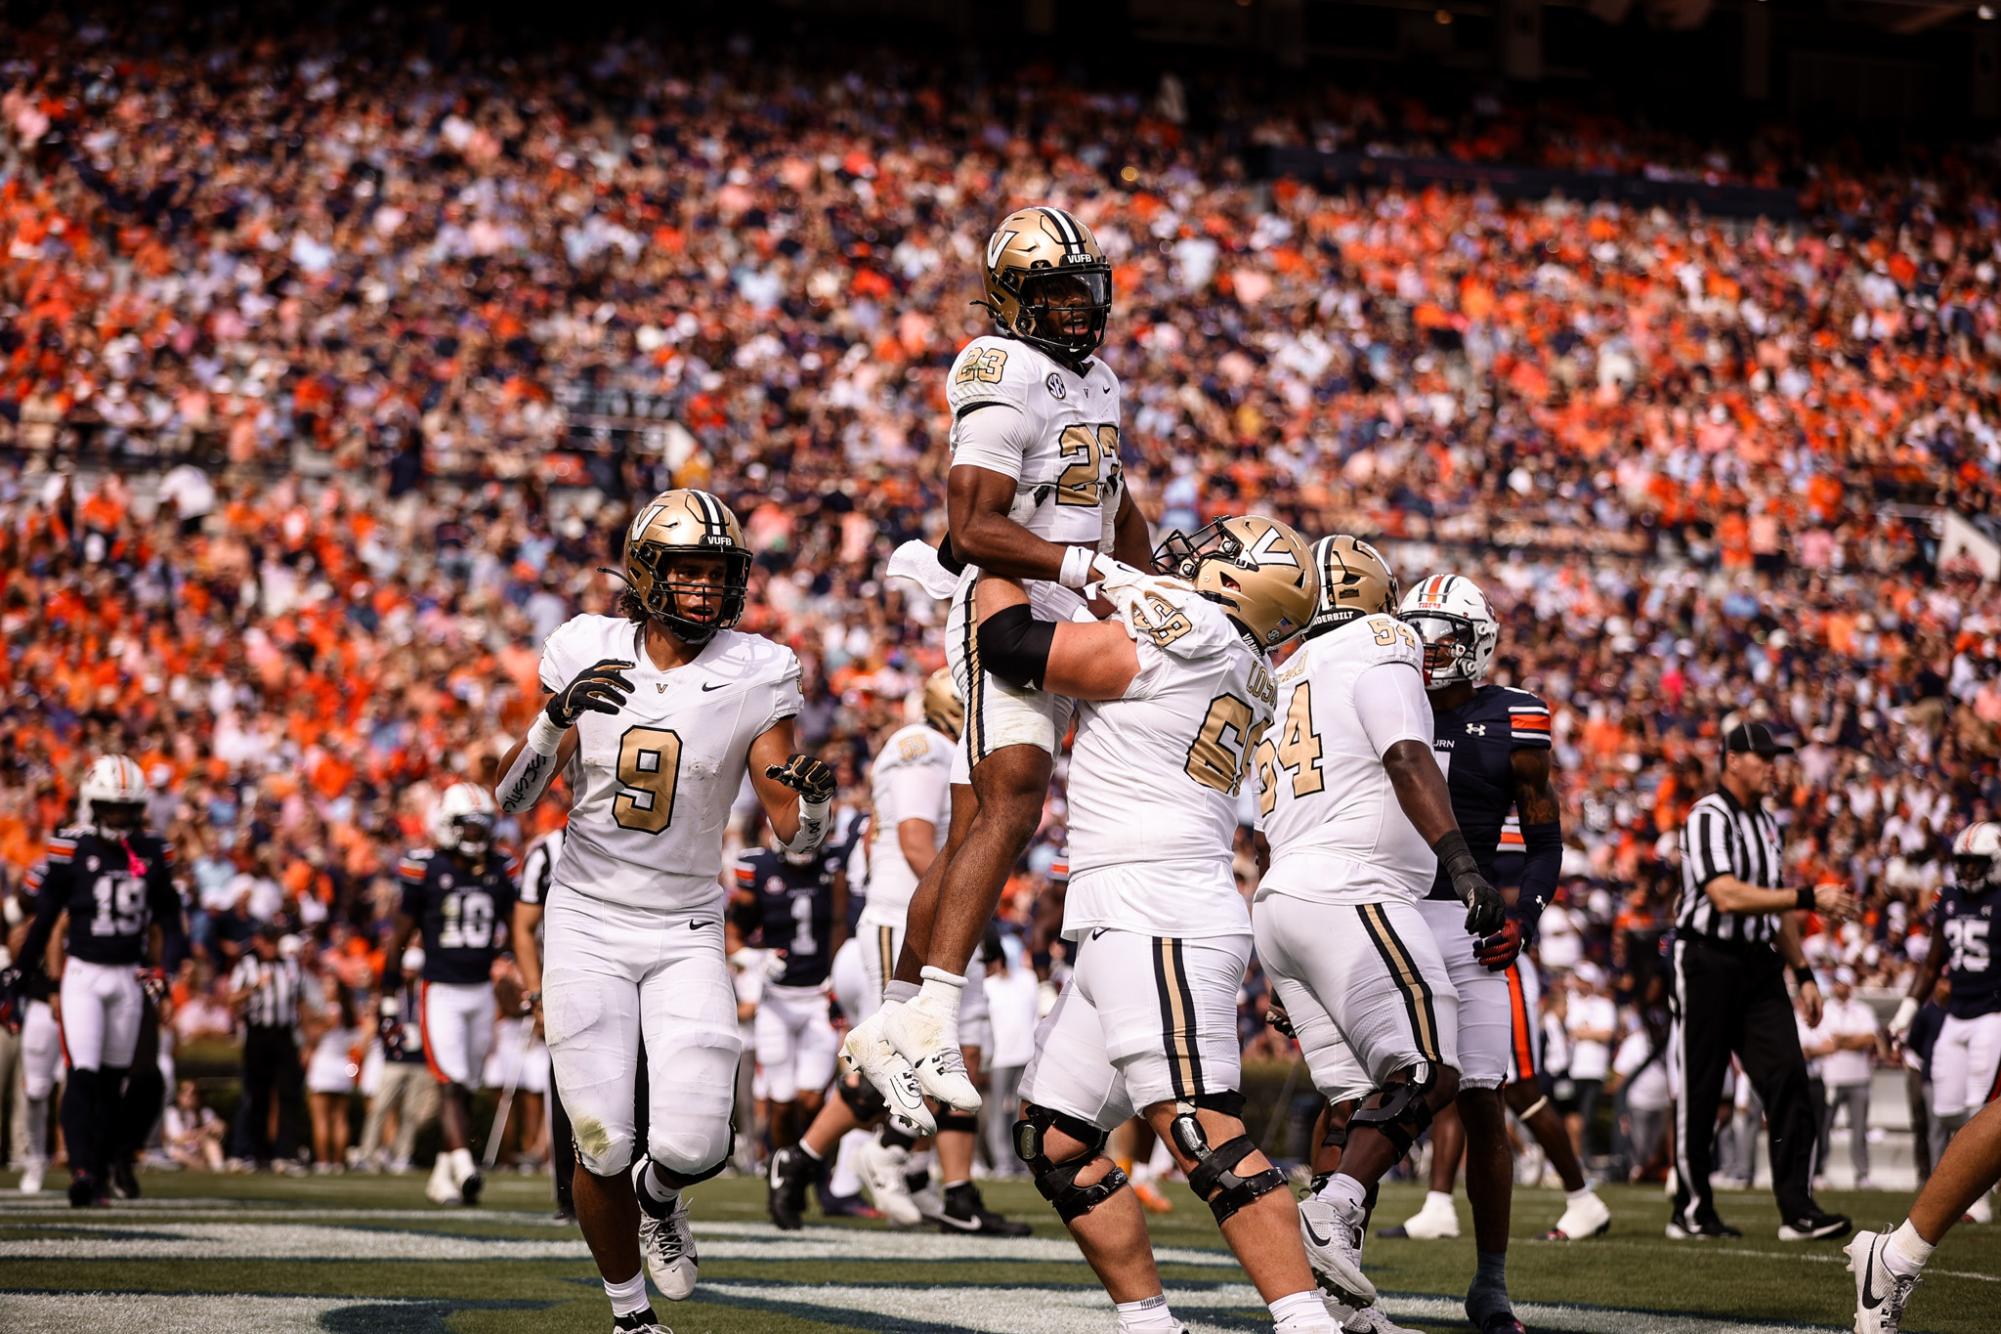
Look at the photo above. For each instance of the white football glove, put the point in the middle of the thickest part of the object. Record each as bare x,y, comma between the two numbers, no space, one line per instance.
1900,1022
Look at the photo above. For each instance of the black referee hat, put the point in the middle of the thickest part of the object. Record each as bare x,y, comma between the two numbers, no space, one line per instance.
1753,739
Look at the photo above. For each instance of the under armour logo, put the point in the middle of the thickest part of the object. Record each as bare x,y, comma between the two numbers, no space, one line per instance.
1476,729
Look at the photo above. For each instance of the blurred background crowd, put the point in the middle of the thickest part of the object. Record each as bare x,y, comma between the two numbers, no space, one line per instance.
332,362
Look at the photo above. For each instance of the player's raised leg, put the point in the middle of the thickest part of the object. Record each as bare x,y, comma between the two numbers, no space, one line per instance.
1887,1265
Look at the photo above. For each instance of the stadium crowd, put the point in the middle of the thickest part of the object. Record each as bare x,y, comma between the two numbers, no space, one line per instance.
331,308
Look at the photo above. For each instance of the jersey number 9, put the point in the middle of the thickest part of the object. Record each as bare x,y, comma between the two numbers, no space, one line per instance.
649,768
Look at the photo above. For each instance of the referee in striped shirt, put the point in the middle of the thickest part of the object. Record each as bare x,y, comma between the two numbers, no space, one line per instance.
1735,932
265,990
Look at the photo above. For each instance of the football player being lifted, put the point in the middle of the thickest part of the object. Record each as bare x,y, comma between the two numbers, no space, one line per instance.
1355,821
655,715
1176,690
1036,493
459,893
114,880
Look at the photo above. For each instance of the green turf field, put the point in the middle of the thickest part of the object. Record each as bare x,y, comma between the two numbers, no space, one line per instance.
237,1255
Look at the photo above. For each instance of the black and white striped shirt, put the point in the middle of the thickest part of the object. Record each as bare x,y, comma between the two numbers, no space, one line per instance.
538,868
274,986
1724,838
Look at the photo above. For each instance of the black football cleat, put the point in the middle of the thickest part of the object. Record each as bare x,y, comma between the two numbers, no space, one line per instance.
124,1181
965,1211
639,1322
1815,1225
85,1191
787,1178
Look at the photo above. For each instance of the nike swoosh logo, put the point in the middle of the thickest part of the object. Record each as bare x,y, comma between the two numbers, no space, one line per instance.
700,926
707,686
1870,1301
1318,1240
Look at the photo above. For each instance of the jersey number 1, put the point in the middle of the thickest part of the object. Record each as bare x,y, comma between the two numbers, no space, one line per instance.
649,769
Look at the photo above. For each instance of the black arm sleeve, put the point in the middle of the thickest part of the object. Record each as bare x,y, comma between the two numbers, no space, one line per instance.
51,898
165,902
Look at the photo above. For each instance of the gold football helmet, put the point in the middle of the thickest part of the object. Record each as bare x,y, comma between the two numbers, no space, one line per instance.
1048,284
943,709
1354,581
1257,568
669,529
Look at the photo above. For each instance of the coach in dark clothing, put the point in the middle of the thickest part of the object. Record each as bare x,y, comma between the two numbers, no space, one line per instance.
1735,934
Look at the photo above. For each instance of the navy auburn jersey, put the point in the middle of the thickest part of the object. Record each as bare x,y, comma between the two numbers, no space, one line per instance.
1963,925
463,908
113,889
793,912
1475,744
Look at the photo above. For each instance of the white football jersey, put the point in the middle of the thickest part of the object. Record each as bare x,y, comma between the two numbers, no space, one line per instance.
911,780
1154,776
653,784
1064,455
1325,803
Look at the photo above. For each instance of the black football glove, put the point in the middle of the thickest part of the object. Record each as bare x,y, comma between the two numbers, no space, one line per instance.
1276,1016
389,1028
811,777
1484,910
599,688
153,983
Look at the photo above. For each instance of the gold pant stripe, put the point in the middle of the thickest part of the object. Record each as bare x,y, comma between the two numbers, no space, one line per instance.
885,942
976,692
1417,1000
1177,1019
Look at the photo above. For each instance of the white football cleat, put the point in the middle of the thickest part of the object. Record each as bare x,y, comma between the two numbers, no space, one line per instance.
1436,1221
668,1245
1370,1319
31,1178
1880,1296
868,1053
930,1042
1587,1217
1334,1249
443,1187
882,1168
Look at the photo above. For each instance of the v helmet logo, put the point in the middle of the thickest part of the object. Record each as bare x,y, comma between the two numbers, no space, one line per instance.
1269,550
644,517
995,244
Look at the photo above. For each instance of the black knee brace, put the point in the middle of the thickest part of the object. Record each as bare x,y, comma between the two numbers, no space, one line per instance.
1400,1112
864,1099
1014,646
1214,1178
1058,1181
963,1122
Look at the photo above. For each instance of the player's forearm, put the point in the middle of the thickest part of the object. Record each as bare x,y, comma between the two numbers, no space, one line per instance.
999,545
1420,789
527,950
1926,981
35,947
529,767
1132,538
392,959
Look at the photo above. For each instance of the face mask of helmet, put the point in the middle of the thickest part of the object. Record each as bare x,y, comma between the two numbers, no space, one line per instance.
1067,312
118,817
1179,556
1449,643
472,833
683,581
1974,872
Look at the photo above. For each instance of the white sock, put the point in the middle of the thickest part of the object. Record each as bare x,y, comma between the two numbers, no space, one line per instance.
1344,1193
1306,1310
1906,1252
1578,1196
628,1296
941,991
1147,1317
1438,1199
462,1163
807,1149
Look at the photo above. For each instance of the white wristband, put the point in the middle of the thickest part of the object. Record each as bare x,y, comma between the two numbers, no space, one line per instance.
543,735
1076,571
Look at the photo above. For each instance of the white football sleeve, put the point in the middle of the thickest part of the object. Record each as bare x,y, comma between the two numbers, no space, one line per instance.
1389,700
995,438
